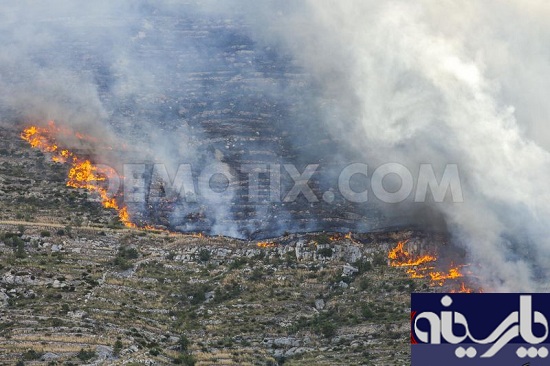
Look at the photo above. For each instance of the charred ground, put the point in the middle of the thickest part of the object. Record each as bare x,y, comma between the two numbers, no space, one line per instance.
77,287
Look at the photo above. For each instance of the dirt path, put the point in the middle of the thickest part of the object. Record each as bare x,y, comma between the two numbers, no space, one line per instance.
49,224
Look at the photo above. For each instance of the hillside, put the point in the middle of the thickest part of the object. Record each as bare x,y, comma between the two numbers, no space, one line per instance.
77,288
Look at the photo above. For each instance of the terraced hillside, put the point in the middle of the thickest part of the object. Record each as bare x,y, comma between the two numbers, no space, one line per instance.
77,288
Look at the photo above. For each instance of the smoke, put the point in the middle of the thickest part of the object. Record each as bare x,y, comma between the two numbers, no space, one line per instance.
443,82
435,82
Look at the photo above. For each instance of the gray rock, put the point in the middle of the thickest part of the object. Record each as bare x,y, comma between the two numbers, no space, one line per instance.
319,304
295,351
3,299
133,348
349,270
286,342
48,356
29,294
57,248
78,314
58,284
278,353
352,253
104,352
209,296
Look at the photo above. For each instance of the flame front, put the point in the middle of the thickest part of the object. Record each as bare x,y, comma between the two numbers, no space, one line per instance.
83,173
424,267
340,236
463,289
401,258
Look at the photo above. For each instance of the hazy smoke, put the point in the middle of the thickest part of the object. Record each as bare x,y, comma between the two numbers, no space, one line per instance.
396,81
438,82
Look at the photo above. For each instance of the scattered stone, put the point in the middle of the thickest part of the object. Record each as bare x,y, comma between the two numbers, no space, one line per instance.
349,270
3,299
319,304
57,247
104,352
49,356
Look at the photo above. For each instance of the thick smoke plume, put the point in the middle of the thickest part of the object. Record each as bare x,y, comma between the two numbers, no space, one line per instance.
409,82
440,82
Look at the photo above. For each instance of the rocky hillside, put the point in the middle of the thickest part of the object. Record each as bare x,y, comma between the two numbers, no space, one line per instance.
77,288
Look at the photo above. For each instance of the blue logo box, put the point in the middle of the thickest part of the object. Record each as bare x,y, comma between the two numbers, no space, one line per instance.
480,329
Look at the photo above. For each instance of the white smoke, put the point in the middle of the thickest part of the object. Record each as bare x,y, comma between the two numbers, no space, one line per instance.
400,81
444,82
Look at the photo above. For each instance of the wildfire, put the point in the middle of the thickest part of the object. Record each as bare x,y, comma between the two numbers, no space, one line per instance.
83,173
264,244
441,277
338,236
401,258
419,267
463,289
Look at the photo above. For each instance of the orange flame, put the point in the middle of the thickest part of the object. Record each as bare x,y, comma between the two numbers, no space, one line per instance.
83,173
338,236
441,277
401,258
417,267
463,289
264,244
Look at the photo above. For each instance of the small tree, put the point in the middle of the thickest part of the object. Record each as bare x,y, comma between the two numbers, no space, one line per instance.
325,252
85,355
367,312
328,329
204,255
20,250
31,355
184,343
117,347
123,256
185,359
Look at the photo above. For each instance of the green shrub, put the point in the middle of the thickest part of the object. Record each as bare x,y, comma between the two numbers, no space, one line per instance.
256,275
85,355
20,251
364,284
238,263
367,312
204,255
184,343
31,355
363,266
323,239
123,257
117,347
128,253
328,329
185,359
379,260
325,252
